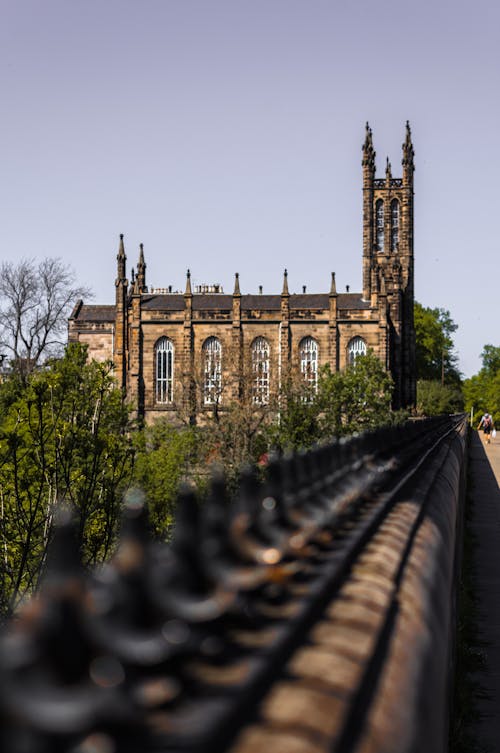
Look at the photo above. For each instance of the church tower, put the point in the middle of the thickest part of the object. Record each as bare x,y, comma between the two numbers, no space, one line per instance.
388,258
174,351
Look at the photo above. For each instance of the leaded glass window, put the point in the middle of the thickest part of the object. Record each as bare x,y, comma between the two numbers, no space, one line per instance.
394,225
260,369
379,224
356,347
308,350
212,371
164,390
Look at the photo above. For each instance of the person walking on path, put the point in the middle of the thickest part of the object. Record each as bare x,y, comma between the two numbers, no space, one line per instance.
486,424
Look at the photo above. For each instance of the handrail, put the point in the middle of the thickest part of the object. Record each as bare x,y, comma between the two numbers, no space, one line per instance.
178,647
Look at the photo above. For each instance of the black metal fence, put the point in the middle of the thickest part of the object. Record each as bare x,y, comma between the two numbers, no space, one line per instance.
172,647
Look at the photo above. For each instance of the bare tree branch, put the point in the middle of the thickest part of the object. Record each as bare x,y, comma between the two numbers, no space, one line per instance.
35,301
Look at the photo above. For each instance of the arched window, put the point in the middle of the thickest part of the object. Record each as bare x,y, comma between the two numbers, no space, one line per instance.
356,347
394,225
379,224
260,369
164,353
212,371
308,350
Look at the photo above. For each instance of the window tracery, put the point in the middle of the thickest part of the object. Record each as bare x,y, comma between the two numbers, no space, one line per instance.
260,369
308,351
212,370
379,224
356,347
394,225
164,383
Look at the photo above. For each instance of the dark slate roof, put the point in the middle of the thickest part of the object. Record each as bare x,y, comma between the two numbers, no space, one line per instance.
175,302
212,302
261,302
309,301
222,302
352,301
88,313
163,302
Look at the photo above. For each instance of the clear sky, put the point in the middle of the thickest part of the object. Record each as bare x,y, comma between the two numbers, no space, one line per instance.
226,136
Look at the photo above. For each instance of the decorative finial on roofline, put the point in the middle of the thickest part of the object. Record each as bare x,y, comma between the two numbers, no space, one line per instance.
188,283
122,260
285,283
333,286
408,151
236,284
368,150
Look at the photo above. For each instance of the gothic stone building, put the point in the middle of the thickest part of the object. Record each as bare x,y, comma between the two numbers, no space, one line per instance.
177,352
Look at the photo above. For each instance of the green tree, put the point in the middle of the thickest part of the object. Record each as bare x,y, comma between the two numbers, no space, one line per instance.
482,391
357,399
354,400
63,437
434,398
435,356
490,357
238,435
296,423
165,456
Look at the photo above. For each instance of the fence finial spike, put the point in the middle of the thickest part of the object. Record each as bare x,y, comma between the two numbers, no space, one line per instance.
63,554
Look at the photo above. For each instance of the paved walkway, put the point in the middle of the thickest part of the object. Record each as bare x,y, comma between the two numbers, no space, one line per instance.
484,474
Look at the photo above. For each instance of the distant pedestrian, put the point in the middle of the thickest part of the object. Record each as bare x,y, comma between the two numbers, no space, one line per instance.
486,424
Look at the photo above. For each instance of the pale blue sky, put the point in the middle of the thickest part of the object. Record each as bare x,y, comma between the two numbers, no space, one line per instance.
226,136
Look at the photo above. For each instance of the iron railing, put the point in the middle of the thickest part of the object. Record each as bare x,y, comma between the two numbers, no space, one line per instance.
173,647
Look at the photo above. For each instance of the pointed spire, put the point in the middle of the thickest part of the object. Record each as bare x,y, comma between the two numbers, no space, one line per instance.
121,259
133,282
368,136
333,286
368,150
236,284
408,151
285,284
141,270
388,173
188,283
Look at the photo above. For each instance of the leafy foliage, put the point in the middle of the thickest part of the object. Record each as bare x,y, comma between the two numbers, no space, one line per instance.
65,434
62,438
357,399
435,356
434,398
490,357
482,391
296,423
165,456
353,400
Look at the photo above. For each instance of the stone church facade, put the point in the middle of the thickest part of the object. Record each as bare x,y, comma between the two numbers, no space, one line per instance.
181,354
